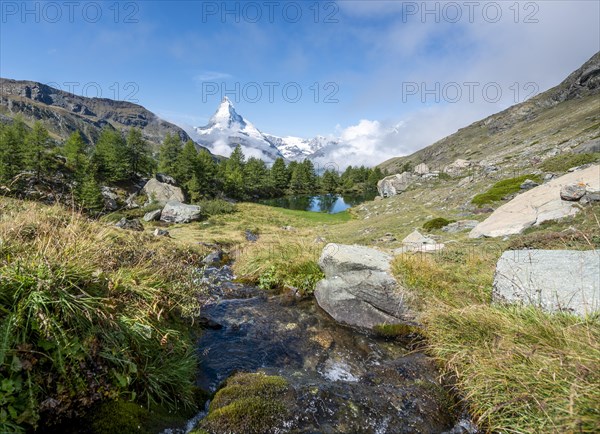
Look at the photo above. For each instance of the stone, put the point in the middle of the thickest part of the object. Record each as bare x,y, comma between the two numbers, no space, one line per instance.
553,280
130,201
213,258
589,147
421,169
459,226
528,184
573,192
177,212
165,179
377,198
535,206
132,225
465,181
158,232
394,184
110,199
161,192
548,177
457,166
416,242
152,215
358,289
250,236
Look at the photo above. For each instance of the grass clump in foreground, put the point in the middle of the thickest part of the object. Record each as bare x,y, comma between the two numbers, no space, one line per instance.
502,189
253,403
563,162
517,369
89,313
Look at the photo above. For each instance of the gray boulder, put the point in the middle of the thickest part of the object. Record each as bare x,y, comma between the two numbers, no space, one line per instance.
553,280
110,199
572,192
358,289
152,215
394,184
528,184
177,212
132,225
161,192
165,179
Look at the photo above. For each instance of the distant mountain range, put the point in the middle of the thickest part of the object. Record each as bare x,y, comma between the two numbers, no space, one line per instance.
226,129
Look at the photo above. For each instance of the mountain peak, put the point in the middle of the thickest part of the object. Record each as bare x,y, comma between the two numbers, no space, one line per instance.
226,116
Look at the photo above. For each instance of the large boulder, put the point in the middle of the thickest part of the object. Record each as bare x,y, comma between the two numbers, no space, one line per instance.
394,184
177,212
421,169
537,205
161,192
553,280
358,288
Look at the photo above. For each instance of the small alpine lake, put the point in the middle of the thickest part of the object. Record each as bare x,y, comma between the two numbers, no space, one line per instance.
327,203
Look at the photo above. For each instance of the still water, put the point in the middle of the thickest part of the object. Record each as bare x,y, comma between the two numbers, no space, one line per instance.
329,203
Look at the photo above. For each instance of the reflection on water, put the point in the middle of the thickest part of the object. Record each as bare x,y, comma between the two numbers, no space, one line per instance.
329,203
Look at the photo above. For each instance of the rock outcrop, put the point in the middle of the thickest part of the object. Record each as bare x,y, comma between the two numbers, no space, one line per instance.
177,212
162,192
358,288
416,242
394,184
553,280
537,205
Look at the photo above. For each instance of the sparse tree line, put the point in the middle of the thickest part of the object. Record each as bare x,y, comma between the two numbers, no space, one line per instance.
119,158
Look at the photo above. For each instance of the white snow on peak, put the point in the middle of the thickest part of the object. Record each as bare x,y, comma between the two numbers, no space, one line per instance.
226,129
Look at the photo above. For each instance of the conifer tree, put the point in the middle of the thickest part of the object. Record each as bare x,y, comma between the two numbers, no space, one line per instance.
169,154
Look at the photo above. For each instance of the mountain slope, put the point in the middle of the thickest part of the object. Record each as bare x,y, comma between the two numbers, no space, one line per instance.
562,117
64,113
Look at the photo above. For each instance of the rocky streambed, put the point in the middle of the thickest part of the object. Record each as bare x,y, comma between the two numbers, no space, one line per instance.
339,379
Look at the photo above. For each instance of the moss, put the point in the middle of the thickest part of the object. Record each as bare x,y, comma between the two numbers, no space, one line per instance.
249,403
503,188
126,417
396,330
436,223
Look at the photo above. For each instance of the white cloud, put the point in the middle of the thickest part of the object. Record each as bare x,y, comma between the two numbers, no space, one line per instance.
211,75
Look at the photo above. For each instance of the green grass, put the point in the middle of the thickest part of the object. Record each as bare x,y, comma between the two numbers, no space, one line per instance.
90,313
317,217
518,370
502,189
563,162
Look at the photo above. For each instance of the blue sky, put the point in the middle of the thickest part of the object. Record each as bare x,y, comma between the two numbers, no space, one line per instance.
371,61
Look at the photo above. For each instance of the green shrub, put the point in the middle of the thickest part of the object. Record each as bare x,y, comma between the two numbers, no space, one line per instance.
563,162
216,207
503,188
436,223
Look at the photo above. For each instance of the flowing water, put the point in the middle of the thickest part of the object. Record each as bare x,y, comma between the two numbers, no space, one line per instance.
344,380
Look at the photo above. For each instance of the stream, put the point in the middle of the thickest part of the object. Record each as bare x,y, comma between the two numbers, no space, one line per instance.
345,380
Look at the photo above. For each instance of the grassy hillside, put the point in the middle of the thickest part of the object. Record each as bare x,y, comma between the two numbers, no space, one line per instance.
559,119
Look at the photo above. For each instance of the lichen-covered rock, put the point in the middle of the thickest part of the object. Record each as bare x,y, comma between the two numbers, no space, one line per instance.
152,215
572,192
177,212
537,205
161,192
394,184
553,280
358,289
132,225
